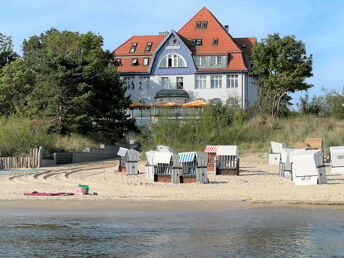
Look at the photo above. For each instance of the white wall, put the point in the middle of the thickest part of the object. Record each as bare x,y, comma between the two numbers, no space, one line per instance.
208,93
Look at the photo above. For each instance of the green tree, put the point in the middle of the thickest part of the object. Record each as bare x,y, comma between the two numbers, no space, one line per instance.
15,86
7,55
280,66
76,87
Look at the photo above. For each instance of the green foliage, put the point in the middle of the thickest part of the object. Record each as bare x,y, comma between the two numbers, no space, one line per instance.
280,66
18,135
329,105
7,55
75,86
251,135
74,142
15,86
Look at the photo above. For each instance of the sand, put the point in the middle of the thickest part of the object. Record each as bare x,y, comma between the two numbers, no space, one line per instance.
258,184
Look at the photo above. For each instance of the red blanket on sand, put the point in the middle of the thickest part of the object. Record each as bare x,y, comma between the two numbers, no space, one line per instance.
48,194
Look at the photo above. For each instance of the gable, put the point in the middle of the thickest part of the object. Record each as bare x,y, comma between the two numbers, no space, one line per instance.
213,30
173,45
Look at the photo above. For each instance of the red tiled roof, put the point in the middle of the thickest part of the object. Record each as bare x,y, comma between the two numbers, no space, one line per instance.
214,30
126,66
249,42
122,52
141,41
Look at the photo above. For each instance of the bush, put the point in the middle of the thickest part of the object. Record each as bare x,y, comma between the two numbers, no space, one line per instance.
18,135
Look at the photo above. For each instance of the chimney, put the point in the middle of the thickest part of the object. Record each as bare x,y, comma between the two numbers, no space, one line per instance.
227,28
163,33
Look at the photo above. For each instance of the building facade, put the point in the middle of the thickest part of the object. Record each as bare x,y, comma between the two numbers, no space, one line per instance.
200,61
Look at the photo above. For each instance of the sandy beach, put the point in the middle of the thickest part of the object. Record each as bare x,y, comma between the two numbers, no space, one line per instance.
257,185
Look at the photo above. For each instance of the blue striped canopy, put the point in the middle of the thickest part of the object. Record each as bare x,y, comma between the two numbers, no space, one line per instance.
187,156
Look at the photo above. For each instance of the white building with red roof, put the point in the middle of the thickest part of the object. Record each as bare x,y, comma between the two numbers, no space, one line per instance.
200,61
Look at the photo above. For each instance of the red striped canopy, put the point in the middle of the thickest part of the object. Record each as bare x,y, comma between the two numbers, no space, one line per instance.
210,149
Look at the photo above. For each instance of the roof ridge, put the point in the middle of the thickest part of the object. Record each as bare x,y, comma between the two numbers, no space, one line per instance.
123,43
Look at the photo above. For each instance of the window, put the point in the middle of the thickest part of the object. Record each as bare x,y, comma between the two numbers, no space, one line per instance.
216,60
148,47
131,83
200,81
200,60
193,42
117,62
215,41
204,24
172,41
216,81
144,82
179,83
232,81
198,24
198,42
125,81
164,82
133,48
134,62
145,61
172,60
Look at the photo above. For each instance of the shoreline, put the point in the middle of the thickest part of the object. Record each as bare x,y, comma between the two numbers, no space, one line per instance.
167,205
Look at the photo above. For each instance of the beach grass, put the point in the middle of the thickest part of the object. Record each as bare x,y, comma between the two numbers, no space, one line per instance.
251,135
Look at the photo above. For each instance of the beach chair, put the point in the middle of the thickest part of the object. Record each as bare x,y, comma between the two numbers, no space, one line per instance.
337,159
315,143
188,164
132,159
275,153
308,167
227,160
163,163
149,168
285,168
302,145
211,154
122,161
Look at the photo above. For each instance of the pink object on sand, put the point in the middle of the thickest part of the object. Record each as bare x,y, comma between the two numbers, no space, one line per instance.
80,191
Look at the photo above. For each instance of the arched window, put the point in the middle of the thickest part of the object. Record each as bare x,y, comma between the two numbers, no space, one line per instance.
172,60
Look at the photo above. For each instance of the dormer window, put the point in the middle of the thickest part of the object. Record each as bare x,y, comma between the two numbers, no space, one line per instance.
198,42
133,48
215,41
204,24
145,61
148,47
198,25
193,42
244,45
117,62
134,62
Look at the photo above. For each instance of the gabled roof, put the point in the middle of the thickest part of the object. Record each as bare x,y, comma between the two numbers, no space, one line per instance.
249,43
214,30
123,50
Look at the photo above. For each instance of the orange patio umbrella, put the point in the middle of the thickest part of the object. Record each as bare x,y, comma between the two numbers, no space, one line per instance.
136,104
196,104
165,104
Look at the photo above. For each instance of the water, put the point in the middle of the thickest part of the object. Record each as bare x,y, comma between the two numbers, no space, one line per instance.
19,170
257,232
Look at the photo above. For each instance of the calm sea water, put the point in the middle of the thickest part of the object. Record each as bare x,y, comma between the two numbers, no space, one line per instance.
258,232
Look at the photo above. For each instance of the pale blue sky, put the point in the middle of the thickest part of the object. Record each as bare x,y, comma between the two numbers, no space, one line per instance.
320,24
